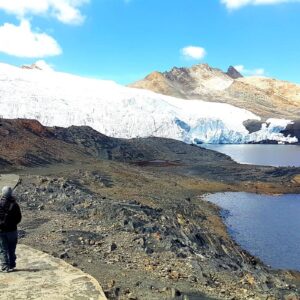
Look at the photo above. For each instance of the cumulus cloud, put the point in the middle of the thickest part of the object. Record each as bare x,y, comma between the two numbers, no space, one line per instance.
193,52
21,41
66,11
236,4
43,65
250,72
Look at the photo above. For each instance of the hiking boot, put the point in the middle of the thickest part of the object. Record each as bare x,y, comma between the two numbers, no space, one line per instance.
5,270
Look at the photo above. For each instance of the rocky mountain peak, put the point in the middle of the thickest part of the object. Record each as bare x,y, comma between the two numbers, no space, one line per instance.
204,66
40,65
176,73
31,67
154,76
234,73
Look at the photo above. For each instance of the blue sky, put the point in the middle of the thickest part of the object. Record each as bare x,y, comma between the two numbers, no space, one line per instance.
125,40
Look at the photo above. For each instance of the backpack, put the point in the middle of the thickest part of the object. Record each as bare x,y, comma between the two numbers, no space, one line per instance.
5,209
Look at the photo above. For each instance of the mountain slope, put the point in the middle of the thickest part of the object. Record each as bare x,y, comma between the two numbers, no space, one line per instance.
266,97
196,82
28,143
58,99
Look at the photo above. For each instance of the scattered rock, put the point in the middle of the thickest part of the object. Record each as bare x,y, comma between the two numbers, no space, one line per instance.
64,255
292,296
113,247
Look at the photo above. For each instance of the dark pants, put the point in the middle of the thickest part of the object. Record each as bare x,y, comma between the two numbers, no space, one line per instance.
8,244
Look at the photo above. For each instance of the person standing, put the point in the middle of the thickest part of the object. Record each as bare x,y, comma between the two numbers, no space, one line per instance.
10,217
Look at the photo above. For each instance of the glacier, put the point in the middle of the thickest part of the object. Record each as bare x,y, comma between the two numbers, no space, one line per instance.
61,99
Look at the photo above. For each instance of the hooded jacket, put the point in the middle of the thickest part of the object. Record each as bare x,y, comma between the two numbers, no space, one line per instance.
10,214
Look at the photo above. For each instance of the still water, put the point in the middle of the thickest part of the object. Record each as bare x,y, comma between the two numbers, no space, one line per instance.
267,226
267,155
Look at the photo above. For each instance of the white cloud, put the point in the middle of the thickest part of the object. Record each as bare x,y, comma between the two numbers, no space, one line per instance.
21,41
236,4
43,65
250,72
192,52
66,11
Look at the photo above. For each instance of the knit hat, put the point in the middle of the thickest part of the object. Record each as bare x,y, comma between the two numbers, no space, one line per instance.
7,191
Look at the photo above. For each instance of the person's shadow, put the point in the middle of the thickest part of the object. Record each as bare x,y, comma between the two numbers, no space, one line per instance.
27,270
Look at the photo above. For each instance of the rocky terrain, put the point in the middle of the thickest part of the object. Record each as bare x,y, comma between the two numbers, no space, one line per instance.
143,233
266,97
42,276
131,212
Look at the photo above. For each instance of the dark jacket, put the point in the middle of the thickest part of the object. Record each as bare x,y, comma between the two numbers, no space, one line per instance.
10,214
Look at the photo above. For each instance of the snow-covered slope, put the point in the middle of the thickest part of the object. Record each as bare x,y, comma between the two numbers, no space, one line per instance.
58,99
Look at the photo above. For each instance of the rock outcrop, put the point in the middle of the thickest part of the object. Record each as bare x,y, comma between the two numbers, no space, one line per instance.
234,73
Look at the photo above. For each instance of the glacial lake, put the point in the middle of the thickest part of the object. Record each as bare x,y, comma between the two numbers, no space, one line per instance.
267,226
266,155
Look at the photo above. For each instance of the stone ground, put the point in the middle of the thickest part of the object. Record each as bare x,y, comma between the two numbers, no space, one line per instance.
144,233
41,276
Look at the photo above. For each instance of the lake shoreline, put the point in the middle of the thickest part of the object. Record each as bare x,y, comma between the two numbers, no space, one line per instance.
238,211
260,154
